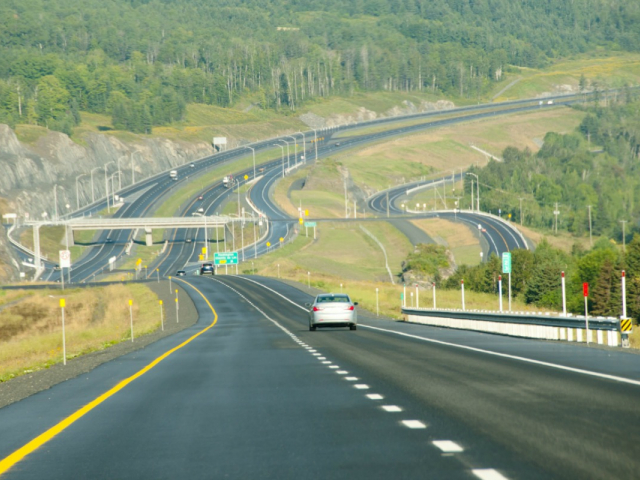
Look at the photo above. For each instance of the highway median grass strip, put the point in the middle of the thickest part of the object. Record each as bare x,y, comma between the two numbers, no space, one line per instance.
18,455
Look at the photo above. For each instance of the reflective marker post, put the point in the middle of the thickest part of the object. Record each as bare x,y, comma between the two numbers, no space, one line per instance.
177,307
64,343
500,291
161,316
377,307
434,295
131,317
462,285
564,298
585,291
417,297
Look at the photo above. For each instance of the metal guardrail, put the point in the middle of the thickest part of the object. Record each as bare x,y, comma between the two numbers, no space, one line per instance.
549,327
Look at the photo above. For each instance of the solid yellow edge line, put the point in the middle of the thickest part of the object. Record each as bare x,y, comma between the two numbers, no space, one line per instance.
43,438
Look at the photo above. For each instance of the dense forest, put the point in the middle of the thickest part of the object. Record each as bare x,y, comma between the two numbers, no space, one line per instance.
590,177
142,61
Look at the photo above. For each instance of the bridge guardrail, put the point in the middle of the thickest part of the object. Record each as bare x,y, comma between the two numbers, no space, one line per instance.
520,324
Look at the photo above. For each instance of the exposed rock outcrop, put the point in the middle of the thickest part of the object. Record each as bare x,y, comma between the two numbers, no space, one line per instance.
29,172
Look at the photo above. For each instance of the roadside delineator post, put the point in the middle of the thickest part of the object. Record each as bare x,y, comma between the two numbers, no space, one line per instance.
585,292
377,307
462,285
177,307
131,317
161,316
64,343
500,291
564,298
434,295
417,297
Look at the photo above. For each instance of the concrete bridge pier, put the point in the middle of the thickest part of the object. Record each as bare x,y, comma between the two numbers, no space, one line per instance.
148,235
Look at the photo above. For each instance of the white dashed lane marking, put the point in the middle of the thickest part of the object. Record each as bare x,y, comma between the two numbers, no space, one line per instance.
322,358
361,386
447,446
413,424
488,474
334,366
327,362
342,372
374,396
351,379
391,408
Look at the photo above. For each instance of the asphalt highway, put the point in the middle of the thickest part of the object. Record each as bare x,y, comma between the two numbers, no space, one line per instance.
144,196
250,392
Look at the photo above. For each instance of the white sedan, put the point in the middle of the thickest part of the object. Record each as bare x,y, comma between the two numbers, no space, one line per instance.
332,310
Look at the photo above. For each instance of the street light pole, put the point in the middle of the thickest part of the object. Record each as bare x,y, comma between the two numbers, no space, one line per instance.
281,148
55,202
106,185
120,171
253,150
77,191
304,144
315,141
93,196
288,161
295,147
477,190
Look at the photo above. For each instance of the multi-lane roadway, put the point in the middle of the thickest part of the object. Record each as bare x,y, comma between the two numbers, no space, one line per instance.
250,392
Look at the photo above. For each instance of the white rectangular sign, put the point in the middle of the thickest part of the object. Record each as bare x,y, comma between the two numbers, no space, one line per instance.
65,259
219,140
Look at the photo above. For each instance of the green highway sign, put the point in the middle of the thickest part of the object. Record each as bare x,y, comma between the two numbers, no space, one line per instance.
506,262
225,258
310,224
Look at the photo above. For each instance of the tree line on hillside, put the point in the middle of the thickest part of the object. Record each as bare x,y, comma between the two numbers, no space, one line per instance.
142,61
593,172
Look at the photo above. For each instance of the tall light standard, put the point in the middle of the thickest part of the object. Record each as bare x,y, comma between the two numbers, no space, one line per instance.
281,148
253,150
93,195
78,191
315,141
288,161
55,200
113,189
304,144
477,190
295,146
120,171
133,172
106,184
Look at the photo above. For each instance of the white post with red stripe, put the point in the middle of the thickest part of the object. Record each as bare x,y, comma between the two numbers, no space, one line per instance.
462,284
585,292
624,295
564,298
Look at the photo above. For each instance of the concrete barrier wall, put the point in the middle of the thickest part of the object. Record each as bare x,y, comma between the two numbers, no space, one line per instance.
601,337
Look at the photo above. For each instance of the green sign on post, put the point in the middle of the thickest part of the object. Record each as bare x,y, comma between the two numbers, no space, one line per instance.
310,224
506,262
225,258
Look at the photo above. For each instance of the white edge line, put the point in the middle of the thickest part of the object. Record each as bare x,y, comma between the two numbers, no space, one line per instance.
474,349
513,357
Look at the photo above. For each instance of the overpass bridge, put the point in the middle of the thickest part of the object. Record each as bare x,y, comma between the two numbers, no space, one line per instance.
196,220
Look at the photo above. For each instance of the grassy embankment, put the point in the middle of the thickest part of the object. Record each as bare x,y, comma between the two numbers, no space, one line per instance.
95,318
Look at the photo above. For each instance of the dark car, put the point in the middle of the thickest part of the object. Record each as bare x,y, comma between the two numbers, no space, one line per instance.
180,273
207,268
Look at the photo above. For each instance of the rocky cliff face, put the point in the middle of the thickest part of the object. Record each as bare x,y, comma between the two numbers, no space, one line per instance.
29,173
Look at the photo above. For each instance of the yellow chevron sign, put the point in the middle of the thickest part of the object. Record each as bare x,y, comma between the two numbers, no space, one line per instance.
625,325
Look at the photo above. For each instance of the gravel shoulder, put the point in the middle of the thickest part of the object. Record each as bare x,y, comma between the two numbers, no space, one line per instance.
26,385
